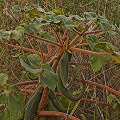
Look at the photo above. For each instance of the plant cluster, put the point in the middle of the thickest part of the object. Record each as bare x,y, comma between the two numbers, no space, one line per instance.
62,35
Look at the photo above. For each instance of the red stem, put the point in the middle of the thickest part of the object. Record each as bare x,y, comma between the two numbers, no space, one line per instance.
87,51
108,63
54,43
54,113
23,48
102,86
42,57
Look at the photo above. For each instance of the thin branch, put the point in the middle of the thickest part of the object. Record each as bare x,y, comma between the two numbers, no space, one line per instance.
52,60
54,113
64,35
77,63
42,57
87,33
78,45
23,48
54,43
57,36
78,36
102,86
87,51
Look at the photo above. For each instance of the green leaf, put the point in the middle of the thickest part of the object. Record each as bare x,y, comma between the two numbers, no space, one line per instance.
98,62
64,101
49,77
104,24
58,11
68,24
4,35
110,49
28,67
111,97
92,40
18,32
33,13
16,9
91,16
46,35
34,60
31,27
46,66
3,79
14,103
77,17
75,107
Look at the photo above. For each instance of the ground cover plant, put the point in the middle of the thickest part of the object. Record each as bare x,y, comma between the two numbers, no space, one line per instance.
59,38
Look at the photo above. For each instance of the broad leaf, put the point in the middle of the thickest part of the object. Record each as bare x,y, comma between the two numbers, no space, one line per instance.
91,16
110,49
104,24
35,12
5,35
68,24
16,9
13,103
98,62
18,32
77,17
49,77
58,11
34,60
31,27
111,97
47,36
3,79
28,67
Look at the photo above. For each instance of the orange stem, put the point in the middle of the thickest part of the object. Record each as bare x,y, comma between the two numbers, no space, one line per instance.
87,51
54,43
23,48
54,113
102,86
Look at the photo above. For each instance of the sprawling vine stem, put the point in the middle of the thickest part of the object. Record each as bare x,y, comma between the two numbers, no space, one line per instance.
87,51
23,48
54,113
54,43
102,86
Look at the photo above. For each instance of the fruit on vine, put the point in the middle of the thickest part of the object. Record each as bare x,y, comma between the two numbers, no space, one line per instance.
32,105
